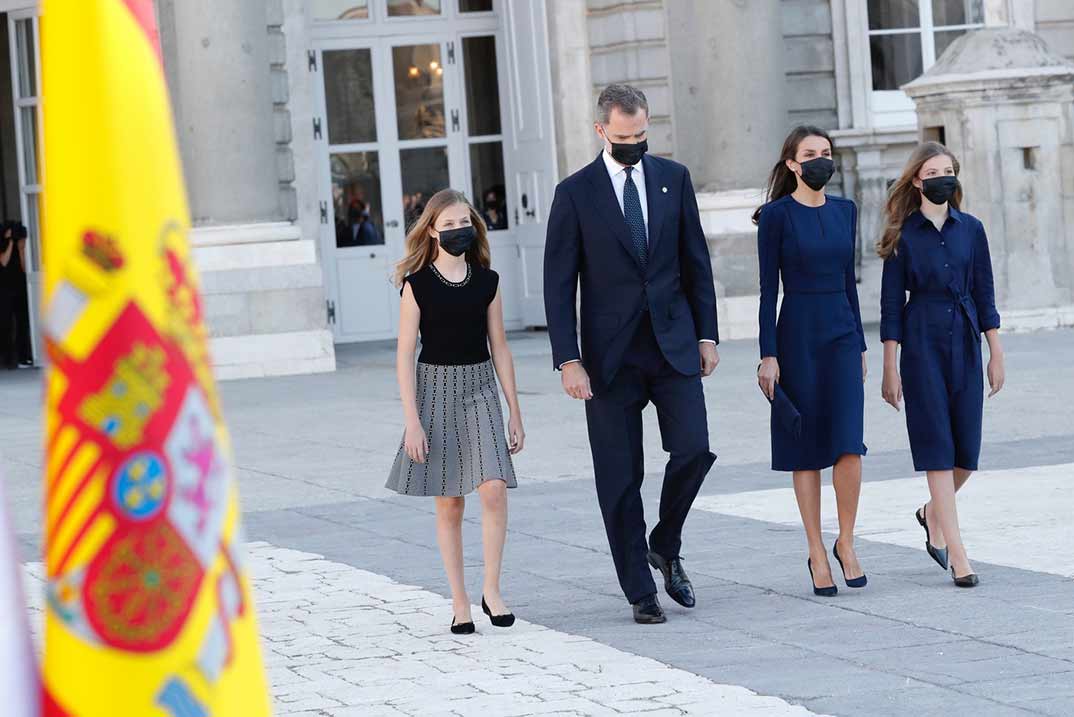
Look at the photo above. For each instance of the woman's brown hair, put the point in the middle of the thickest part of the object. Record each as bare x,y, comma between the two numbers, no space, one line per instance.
422,247
904,198
782,181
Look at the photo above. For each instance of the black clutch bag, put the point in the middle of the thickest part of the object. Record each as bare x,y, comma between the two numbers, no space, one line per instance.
786,414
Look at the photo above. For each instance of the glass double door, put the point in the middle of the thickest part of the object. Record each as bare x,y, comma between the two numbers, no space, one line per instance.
23,44
403,118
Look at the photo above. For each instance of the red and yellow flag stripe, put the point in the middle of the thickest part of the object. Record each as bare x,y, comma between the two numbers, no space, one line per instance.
149,610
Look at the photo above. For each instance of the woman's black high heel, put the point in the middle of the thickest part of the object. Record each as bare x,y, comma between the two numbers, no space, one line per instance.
462,628
965,581
505,620
851,582
938,554
822,592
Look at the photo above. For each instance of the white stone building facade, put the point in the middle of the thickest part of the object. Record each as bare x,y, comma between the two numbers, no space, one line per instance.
312,130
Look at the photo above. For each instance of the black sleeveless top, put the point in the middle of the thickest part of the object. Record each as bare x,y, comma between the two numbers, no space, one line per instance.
454,316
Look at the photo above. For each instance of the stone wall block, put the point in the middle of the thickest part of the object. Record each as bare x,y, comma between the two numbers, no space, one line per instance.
282,122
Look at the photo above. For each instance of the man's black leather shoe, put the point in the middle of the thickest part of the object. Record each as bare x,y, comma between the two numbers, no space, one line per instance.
677,584
647,611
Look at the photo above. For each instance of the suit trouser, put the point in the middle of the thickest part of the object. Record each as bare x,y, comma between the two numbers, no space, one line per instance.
23,345
615,438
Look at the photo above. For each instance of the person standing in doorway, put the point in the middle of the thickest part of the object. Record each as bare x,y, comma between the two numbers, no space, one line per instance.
815,353
493,211
455,442
939,254
8,255
626,229
19,270
363,233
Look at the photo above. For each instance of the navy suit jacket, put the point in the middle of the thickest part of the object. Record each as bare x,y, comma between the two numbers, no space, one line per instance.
589,245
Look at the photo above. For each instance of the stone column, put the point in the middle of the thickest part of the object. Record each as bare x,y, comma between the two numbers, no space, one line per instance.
572,85
239,79
871,172
218,58
1006,104
728,81
1013,13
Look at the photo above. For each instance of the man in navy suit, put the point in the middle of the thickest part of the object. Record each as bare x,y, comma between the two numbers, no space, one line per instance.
627,230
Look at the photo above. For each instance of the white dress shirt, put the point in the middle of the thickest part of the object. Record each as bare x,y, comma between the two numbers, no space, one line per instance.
618,174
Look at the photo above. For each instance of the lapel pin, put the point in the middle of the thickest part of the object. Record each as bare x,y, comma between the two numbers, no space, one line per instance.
664,190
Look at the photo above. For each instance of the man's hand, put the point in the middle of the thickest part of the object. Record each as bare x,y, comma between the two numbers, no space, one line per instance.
710,358
576,381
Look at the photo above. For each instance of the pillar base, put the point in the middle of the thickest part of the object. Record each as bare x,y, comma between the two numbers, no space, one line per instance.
283,354
264,300
1049,317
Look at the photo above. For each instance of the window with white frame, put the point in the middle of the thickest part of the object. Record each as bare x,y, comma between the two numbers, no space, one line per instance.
905,38
332,10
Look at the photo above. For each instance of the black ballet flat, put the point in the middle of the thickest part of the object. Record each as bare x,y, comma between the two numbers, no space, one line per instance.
965,581
937,554
851,582
822,592
505,620
462,628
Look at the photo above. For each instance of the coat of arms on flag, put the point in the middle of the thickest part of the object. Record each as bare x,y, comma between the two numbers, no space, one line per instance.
149,610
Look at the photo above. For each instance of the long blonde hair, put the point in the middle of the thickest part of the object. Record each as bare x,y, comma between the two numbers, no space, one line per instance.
904,198
422,248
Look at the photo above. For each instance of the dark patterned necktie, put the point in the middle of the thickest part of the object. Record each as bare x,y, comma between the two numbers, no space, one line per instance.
634,218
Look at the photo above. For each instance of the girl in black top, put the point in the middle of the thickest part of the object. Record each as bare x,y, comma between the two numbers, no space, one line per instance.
455,440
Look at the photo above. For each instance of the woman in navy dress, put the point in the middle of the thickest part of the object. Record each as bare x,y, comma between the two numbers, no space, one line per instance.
939,254
816,351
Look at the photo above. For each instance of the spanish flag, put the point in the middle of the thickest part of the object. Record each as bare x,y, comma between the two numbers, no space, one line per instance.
149,609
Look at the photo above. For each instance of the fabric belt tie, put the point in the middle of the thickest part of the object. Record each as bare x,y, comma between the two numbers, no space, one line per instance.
960,349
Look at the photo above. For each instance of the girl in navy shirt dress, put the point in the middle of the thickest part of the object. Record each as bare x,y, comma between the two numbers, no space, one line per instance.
815,352
938,255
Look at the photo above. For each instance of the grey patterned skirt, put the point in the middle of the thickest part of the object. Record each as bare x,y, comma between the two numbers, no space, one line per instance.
459,408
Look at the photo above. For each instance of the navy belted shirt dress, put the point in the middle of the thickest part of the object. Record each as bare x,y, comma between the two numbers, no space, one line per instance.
818,339
948,275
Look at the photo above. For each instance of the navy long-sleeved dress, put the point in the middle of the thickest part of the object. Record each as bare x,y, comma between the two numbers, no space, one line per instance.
952,300
818,339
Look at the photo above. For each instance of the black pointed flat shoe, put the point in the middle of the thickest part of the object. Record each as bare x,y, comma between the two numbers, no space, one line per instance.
676,583
822,592
851,582
965,581
505,620
937,554
462,628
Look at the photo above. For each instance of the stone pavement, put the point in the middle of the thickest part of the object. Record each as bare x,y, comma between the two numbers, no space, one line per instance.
363,629
344,642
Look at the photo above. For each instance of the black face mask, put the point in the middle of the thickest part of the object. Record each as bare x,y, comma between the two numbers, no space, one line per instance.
817,172
629,154
457,241
939,189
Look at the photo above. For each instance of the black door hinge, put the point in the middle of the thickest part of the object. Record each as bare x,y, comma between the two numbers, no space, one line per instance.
451,53
316,127
330,309
324,212
454,120
311,56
